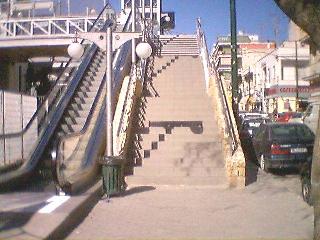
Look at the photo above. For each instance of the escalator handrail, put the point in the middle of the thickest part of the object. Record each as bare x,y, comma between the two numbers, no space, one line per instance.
42,105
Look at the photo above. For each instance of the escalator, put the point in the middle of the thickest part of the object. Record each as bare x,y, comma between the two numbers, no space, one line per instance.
58,115
81,135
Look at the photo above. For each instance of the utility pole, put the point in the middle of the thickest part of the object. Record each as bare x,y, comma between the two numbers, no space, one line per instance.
68,7
234,60
297,76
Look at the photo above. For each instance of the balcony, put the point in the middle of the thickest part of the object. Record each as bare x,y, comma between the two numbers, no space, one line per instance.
310,73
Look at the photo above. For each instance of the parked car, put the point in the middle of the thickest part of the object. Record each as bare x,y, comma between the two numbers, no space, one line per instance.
249,126
289,117
283,145
296,117
305,176
250,115
311,116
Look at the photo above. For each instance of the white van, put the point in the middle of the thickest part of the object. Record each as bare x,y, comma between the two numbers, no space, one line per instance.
311,115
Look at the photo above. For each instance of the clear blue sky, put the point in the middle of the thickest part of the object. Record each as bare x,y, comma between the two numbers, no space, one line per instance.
261,17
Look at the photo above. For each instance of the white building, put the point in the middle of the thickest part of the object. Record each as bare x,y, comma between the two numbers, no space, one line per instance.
250,50
276,76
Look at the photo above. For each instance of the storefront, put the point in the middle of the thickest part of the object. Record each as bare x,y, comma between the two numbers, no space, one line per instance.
283,98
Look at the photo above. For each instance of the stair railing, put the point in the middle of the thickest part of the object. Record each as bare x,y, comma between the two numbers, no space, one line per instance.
125,106
210,72
203,52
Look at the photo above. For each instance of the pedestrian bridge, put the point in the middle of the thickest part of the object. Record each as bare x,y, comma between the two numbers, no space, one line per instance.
48,31
172,123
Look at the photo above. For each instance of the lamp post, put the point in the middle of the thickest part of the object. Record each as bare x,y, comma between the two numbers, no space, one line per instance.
108,42
133,9
234,61
296,74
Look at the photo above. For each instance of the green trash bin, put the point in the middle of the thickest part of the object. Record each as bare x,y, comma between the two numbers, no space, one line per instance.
112,175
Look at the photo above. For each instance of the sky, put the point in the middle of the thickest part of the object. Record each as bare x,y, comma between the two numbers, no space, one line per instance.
261,17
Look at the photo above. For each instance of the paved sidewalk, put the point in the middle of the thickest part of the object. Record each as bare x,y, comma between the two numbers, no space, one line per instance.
266,209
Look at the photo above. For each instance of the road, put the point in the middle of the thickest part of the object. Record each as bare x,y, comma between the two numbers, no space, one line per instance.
270,207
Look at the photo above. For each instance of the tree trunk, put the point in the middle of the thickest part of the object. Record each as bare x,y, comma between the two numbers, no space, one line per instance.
315,181
304,13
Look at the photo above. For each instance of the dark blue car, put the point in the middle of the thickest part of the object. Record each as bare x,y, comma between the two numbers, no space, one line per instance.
283,145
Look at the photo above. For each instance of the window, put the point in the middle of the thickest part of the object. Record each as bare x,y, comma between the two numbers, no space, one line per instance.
274,72
291,132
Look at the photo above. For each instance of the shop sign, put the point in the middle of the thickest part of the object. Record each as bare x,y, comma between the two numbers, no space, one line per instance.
288,91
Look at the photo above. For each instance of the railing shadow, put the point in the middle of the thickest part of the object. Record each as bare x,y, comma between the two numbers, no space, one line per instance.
252,166
138,189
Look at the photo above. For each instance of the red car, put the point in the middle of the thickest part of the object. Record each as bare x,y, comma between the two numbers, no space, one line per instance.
286,116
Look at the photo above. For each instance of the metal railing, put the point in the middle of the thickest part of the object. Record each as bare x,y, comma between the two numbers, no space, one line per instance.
46,114
48,27
209,70
126,103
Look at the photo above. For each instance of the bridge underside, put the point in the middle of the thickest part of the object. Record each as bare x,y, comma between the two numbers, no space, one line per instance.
22,54
306,14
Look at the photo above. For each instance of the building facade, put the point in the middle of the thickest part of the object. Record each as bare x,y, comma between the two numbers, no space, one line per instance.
276,77
249,51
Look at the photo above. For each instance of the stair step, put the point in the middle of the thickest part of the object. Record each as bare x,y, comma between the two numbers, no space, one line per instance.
71,128
220,182
77,113
75,121
82,106
183,162
191,171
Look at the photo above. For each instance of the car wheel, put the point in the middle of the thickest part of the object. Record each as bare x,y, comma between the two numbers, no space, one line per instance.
306,189
263,164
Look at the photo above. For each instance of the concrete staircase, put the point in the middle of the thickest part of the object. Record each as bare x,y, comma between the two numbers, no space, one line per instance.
178,141
182,45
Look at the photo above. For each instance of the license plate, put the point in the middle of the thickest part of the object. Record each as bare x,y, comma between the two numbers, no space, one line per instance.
298,150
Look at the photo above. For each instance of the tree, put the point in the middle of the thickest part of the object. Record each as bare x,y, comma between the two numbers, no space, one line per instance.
306,14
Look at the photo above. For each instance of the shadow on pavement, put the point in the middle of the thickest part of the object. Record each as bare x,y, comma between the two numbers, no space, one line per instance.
12,222
284,172
252,166
251,173
138,189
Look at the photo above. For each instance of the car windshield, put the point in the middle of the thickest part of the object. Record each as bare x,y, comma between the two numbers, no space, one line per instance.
297,115
254,123
285,131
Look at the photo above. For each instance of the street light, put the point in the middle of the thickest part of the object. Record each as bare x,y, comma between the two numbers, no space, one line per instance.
75,50
143,50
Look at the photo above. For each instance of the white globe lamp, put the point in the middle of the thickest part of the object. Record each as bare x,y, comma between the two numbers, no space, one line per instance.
143,50
75,50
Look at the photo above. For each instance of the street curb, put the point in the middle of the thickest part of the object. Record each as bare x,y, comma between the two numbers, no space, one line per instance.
78,214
